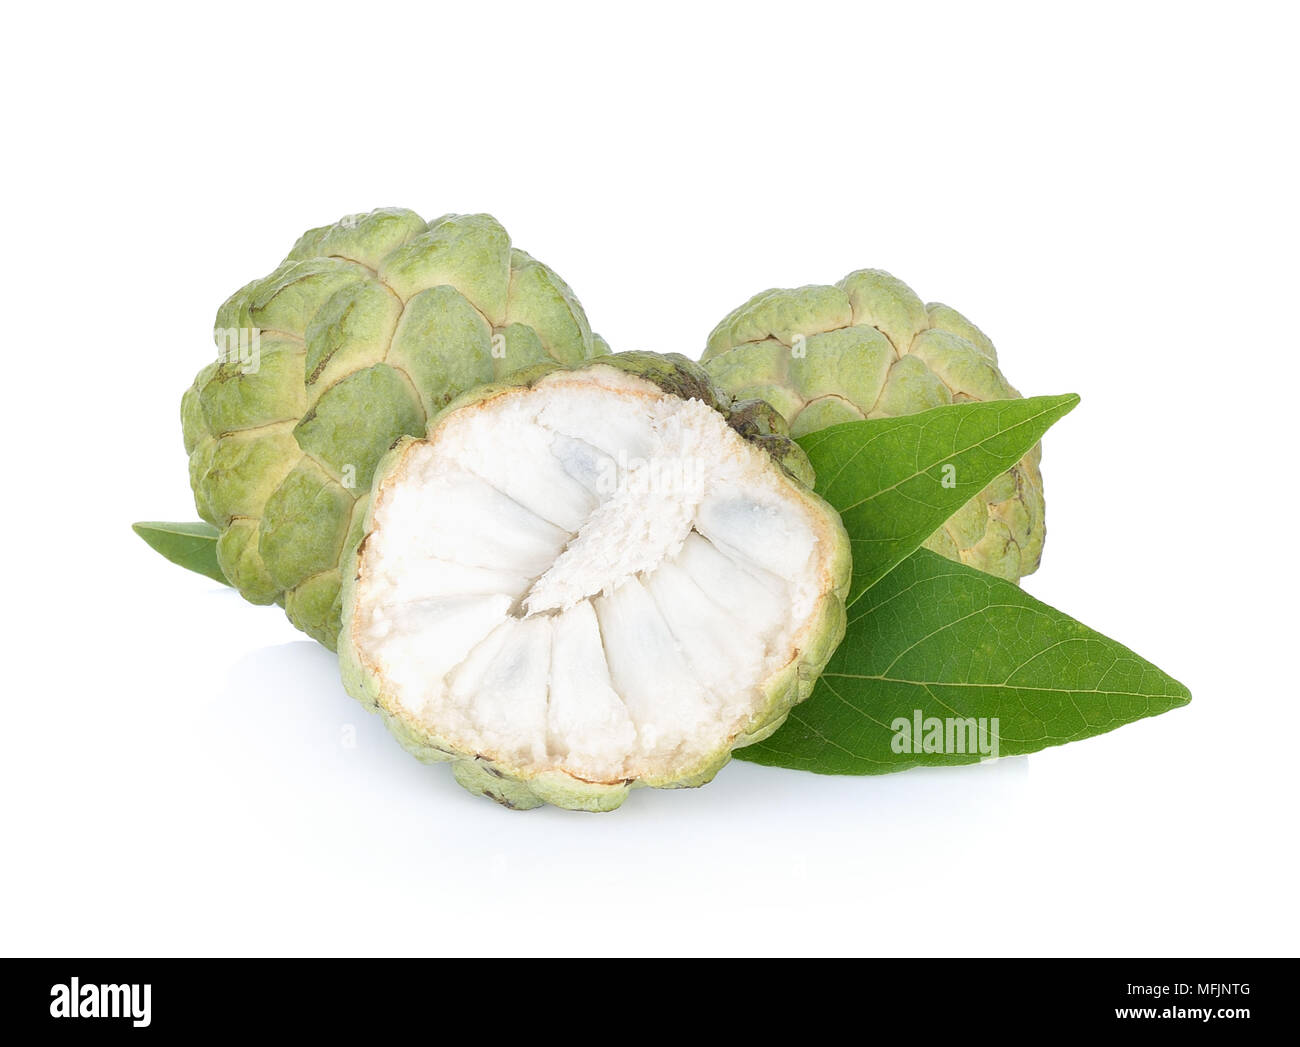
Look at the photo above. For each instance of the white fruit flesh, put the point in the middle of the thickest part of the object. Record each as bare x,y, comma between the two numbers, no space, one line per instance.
587,576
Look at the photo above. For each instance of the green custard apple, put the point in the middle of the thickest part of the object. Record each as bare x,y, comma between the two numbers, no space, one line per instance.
589,579
868,347
364,332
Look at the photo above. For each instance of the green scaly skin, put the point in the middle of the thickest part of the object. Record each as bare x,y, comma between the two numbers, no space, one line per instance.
367,329
868,347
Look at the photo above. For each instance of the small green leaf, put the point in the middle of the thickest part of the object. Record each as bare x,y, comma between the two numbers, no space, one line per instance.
896,480
191,545
946,641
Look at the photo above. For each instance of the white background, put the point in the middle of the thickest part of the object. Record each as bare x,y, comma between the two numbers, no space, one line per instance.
1109,193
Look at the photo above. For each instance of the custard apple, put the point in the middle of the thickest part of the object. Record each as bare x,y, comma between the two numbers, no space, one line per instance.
590,579
366,330
868,347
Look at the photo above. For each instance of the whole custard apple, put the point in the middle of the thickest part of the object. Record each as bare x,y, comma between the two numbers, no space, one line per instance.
364,332
868,347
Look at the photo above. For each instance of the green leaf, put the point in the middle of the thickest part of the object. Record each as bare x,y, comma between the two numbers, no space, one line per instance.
191,545
890,477
949,641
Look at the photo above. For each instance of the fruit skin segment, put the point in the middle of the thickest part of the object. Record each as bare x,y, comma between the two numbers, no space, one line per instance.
508,784
868,347
367,329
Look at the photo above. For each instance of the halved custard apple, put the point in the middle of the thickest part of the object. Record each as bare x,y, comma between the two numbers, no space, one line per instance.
592,579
